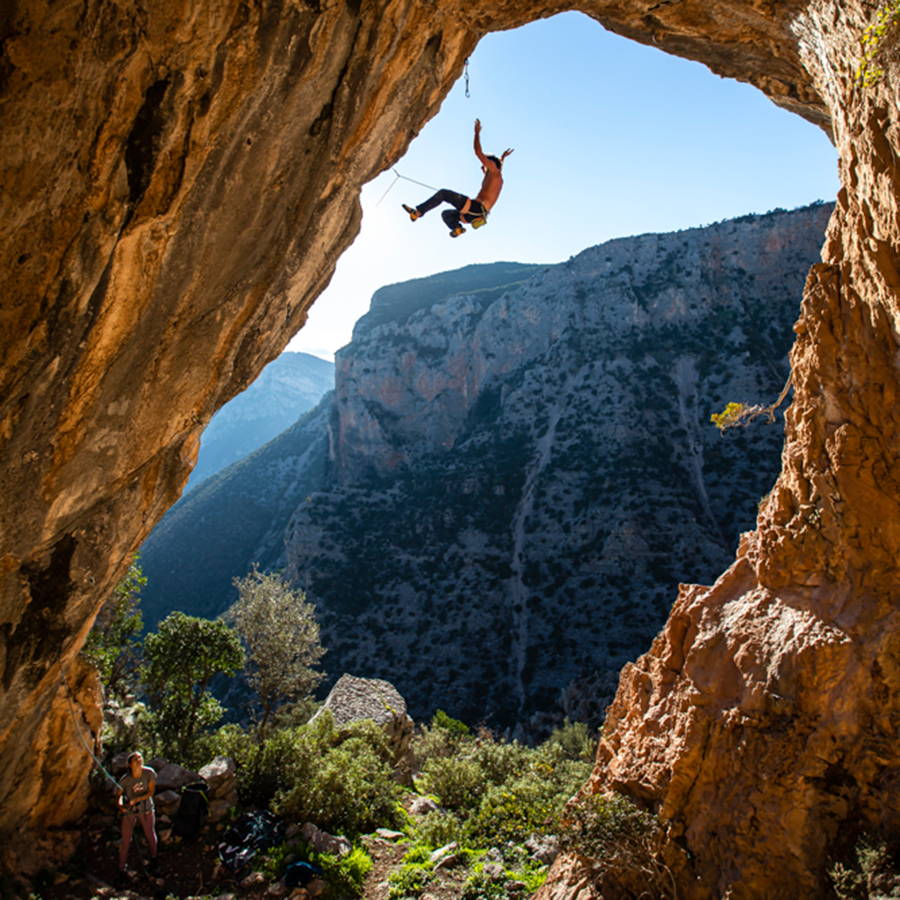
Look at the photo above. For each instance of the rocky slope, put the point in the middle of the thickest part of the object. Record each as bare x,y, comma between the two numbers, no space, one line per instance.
521,476
239,517
289,386
506,443
236,518
177,185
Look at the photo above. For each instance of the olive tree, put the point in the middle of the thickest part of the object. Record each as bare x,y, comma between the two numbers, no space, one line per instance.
278,627
180,660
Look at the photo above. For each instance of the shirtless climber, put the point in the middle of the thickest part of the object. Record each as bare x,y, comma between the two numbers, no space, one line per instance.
472,212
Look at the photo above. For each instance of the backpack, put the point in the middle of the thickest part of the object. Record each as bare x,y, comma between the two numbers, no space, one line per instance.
191,816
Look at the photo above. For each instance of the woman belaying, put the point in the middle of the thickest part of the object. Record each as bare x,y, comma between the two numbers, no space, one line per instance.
135,799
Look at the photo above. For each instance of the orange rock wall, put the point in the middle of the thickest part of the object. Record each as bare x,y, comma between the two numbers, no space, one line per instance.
762,725
178,181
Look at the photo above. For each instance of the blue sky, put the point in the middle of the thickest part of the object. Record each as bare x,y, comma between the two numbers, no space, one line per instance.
611,138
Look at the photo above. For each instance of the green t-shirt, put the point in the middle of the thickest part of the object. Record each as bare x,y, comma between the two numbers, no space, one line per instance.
138,787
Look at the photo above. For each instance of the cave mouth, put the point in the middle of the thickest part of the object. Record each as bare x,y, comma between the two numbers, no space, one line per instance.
650,142
78,372
613,138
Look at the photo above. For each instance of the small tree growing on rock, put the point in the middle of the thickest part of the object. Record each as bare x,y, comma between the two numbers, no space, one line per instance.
278,627
112,645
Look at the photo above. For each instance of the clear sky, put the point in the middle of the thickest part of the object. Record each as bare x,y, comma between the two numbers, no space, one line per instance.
611,139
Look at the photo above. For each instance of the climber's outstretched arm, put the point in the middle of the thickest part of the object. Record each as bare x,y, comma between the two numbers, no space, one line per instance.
478,151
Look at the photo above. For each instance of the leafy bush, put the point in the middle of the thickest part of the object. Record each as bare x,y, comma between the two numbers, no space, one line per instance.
409,881
575,741
874,872
437,829
441,720
346,875
112,645
511,813
440,739
457,781
622,840
341,780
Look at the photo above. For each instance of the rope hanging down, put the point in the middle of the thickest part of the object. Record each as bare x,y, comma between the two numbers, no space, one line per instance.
397,177
97,763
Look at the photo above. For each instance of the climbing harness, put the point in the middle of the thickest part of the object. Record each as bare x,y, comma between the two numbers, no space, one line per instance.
397,177
68,692
478,220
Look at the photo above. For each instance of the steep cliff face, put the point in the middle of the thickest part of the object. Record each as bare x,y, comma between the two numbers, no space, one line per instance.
516,469
177,185
521,476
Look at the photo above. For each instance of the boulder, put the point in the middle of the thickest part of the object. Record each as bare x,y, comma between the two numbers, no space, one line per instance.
218,809
421,806
167,802
388,834
544,848
352,699
173,777
322,842
221,776
254,879
443,852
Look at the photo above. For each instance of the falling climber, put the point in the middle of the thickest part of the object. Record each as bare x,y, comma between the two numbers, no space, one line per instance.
465,209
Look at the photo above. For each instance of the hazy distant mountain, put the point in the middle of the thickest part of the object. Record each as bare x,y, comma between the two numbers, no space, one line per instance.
232,520
287,387
495,507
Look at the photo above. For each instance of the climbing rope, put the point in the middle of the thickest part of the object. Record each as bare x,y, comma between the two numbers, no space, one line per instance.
68,692
397,177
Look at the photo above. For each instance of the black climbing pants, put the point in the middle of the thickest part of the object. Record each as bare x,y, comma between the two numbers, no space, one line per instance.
451,217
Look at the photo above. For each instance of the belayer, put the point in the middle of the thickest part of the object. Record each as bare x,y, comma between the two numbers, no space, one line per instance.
135,801
466,210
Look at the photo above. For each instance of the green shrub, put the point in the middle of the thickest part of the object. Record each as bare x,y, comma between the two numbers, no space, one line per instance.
873,873
409,881
500,761
480,885
439,739
261,767
346,875
458,781
622,840
341,780
437,829
511,813
575,740
441,720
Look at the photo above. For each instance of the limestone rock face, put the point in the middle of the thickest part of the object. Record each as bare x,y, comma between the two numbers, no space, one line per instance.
177,184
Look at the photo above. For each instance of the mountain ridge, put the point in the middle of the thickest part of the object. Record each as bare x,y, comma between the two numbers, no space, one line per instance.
509,423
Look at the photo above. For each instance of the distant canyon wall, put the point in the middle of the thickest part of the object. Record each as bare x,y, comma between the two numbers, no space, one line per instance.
177,185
